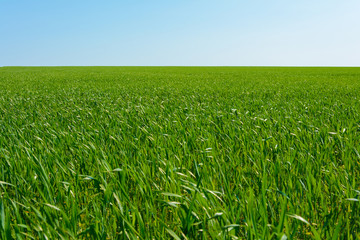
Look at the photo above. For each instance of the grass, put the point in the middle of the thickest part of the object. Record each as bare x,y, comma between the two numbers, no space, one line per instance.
179,152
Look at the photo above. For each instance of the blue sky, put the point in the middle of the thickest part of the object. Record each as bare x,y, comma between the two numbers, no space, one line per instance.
182,33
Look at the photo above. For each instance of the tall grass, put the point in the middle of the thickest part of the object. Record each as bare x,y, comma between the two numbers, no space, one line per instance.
183,153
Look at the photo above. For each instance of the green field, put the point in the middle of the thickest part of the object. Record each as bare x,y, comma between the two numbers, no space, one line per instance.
179,152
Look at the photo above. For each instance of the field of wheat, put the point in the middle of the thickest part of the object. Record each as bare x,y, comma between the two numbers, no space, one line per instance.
179,152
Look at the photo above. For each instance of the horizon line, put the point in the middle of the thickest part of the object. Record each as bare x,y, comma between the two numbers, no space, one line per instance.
180,66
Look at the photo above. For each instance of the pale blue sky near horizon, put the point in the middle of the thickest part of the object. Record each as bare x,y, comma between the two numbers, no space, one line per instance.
180,33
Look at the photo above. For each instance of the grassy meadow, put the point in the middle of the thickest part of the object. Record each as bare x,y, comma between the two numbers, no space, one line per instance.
179,153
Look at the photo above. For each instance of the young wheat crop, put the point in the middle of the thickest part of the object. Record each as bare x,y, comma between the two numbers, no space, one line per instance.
179,152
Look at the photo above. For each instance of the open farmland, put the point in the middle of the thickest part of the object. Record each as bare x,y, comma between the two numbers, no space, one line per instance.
179,152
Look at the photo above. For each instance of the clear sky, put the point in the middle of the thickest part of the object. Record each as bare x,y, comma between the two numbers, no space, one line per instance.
180,32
